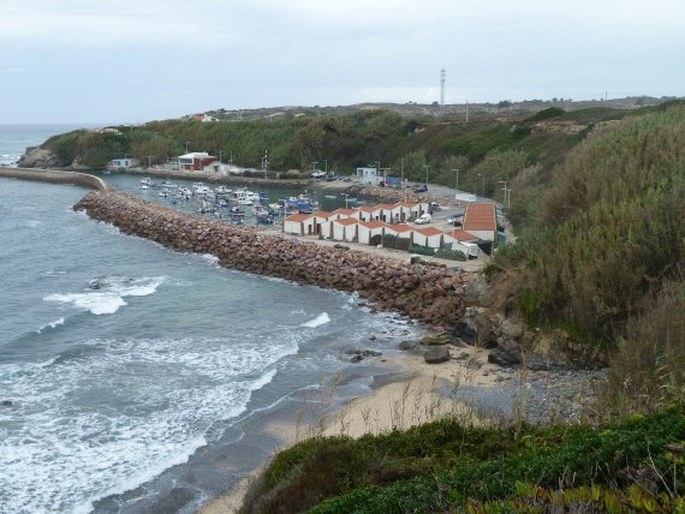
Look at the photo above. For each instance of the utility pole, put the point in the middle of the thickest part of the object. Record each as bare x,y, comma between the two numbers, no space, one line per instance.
483,184
507,193
149,161
402,178
220,154
426,166
265,162
456,180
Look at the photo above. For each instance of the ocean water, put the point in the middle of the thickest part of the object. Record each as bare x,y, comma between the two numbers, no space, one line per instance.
137,379
14,139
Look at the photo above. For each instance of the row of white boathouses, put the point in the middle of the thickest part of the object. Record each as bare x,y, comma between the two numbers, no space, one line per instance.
360,225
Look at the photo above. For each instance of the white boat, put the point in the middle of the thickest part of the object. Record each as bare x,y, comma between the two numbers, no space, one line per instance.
199,189
244,196
222,190
169,185
146,183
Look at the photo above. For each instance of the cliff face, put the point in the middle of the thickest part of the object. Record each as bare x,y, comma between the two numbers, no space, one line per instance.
38,157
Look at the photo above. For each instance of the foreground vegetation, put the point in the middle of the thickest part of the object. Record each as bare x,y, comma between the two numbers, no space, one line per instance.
637,464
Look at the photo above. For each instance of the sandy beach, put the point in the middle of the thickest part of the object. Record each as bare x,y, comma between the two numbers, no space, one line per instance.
415,393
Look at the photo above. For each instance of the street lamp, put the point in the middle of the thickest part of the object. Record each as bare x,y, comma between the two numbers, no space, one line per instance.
187,143
325,164
149,161
456,180
426,166
483,183
220,154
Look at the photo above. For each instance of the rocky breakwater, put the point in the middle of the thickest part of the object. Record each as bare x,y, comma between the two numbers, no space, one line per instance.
431,294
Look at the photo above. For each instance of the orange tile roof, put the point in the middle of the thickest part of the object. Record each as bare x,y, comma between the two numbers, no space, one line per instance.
344,211
402,227
366,208
299,217
406,204
430,231
372,224
480,216
385,206
347,221
323,214
462,235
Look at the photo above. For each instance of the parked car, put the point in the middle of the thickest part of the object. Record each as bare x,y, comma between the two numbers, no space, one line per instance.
454,220
422,188
423,219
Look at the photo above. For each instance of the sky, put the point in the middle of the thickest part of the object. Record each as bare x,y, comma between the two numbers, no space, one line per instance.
133,61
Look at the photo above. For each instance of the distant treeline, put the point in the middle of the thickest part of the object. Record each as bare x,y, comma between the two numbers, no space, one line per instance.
477,156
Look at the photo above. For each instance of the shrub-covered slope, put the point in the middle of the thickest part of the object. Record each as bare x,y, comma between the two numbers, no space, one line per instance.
634,464
604,255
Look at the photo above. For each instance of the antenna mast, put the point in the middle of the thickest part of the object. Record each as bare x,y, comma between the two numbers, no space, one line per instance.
443,75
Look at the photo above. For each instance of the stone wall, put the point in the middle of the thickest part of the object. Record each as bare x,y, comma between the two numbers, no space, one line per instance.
432,294
56,177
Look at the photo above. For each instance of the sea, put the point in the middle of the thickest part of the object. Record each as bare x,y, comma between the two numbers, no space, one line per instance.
137,379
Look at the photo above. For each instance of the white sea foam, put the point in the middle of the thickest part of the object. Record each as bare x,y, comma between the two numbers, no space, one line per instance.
210,259
52,324
109,294
321,319
164,395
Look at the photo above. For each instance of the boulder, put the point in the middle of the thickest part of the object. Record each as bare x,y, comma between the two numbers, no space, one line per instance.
437,355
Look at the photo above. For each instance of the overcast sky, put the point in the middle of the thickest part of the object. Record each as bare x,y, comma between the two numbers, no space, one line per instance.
129,61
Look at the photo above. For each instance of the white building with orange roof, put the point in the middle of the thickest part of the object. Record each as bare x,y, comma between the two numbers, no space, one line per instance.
343,213
428,236
463,241
387,211
321,219
345,229
299,224
369,229
369,213
404,231
480,219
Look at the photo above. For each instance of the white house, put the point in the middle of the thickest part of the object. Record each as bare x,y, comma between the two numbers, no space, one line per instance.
299,224
463,241
195,161
369,229
322,222
368,213
369,176
345,229
429,236
404,231
480,219
122,163
387,210
343,213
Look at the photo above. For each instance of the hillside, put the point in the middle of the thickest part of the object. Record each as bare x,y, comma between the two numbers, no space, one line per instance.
603,254
498,142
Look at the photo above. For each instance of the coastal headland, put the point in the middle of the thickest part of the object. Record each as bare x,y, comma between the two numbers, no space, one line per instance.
429,293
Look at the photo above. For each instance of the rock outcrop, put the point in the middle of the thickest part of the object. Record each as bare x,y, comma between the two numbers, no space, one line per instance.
37,157
427,293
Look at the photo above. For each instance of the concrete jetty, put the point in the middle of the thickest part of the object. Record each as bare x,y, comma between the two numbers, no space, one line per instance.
56,177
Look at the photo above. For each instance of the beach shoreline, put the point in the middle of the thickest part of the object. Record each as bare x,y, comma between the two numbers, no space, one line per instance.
417,392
